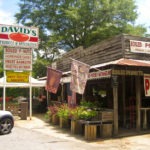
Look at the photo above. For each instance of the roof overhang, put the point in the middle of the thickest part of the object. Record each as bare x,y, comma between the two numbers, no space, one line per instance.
124,62
119,62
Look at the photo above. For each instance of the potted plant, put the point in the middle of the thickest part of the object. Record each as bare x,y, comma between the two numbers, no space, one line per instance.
87,104
64,115
87,114
76,127
48,116
52,111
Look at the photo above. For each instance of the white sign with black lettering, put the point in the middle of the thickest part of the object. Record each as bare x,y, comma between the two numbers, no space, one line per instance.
18,59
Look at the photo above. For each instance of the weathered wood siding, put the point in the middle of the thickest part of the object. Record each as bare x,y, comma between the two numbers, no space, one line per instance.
130,55
105,51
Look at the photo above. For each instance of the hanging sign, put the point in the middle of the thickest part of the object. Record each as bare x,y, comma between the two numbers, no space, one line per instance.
17,59
147,84
19,36
53,80
79,76
17,77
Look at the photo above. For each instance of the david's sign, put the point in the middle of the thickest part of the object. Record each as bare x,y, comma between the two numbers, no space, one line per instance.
19,36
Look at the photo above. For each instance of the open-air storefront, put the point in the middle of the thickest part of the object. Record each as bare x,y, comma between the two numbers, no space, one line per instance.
116,79
123,92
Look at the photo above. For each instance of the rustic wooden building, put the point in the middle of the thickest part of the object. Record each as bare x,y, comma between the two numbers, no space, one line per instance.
118,66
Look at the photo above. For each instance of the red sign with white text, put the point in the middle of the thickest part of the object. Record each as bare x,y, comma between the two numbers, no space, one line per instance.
19,36
147,84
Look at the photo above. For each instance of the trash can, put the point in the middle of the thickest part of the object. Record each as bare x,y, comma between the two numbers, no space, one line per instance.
23,110
106,130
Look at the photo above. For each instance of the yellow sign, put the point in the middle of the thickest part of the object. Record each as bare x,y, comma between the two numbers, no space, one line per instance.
18,77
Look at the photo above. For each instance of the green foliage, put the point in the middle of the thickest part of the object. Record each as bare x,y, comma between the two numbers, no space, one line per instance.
70,24
53,110
48,115
81,112
88,114
39,68
87,104
76,112
64,111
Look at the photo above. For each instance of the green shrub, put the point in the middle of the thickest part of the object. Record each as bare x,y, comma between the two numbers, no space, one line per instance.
64,111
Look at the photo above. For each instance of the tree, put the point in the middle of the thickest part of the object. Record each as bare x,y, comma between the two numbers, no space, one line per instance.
73,23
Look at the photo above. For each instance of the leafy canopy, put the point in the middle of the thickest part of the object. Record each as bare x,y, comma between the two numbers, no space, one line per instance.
69,24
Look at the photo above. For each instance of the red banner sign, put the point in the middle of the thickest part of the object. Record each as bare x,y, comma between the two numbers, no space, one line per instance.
53,80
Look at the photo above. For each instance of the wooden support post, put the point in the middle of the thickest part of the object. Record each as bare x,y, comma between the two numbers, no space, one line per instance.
115,95
115,105
138,103
124,97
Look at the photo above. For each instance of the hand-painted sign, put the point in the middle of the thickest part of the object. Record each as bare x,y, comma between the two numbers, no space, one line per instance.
147,84
139,46
21,77
19,36
18,59
99,74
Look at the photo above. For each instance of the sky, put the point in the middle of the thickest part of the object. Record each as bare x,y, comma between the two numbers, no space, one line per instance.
9,7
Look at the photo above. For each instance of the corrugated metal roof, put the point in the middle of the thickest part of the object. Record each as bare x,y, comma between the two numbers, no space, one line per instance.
125,62
132,62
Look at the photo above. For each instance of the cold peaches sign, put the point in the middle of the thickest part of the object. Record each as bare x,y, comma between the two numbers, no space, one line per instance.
19,36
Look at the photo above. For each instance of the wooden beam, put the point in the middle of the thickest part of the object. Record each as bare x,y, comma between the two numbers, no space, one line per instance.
115,98
123,98
138,102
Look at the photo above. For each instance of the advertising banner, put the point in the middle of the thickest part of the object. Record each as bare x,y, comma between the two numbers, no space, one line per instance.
17,77
79,76
53,80
19,59
19,36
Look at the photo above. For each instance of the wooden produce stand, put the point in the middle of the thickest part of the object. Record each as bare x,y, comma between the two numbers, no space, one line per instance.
104,120
106,129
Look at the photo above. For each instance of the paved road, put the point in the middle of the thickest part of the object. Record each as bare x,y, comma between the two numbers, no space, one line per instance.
37,135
